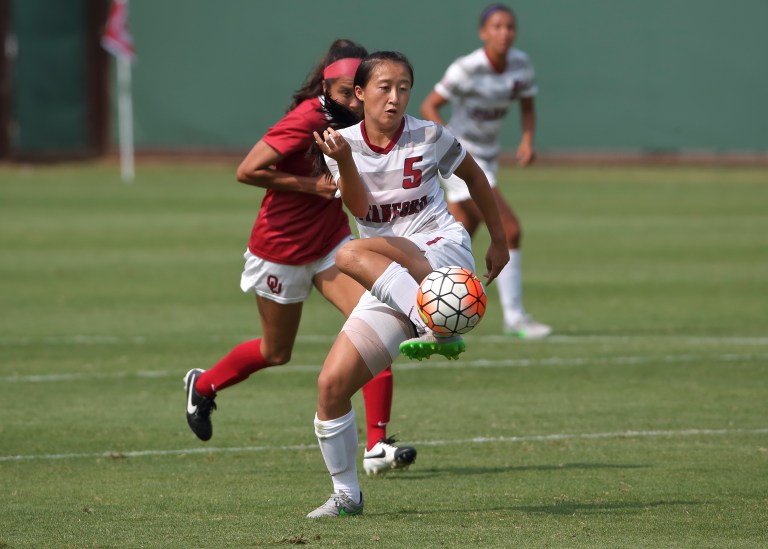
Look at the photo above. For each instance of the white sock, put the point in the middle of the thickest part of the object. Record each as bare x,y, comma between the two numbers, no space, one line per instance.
510,285
338,444
397,288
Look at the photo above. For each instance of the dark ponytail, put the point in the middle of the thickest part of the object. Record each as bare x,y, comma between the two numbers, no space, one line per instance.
313,84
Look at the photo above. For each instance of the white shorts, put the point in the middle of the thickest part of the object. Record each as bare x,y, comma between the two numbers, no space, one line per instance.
455,188
446,247
284,283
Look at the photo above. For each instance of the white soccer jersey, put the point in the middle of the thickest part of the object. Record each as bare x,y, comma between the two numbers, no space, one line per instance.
480,97
404,193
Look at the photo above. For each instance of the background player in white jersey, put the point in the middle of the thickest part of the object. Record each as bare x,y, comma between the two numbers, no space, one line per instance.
481,87
387,170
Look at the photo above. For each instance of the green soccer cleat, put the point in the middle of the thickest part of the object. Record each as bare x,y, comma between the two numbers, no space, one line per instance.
527,328
429,344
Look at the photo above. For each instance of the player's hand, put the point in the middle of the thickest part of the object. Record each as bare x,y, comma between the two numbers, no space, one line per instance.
525,154
325,186
333,144
496,259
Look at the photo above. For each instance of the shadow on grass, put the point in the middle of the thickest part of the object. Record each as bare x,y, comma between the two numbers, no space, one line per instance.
420,474
564,508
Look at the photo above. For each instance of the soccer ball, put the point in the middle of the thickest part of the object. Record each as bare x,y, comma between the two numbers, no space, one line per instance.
451,301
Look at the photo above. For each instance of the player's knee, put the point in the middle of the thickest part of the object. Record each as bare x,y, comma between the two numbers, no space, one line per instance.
346,256
514,234
331,388
276,356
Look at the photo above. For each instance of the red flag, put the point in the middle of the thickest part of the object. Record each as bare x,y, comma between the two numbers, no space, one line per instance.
116,39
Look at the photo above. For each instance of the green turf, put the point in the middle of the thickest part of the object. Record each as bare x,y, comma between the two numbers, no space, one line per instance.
642,423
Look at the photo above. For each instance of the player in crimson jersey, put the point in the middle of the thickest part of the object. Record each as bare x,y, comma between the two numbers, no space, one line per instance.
481,88
387,170
292,246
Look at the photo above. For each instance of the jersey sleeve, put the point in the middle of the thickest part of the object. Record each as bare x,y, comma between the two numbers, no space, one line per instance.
453,82
293,133
449,151
528,87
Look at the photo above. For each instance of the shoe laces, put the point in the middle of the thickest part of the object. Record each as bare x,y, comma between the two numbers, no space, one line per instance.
389,441
340,499
206,406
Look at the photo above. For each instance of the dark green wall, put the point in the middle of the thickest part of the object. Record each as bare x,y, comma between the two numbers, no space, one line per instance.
49,105
614,75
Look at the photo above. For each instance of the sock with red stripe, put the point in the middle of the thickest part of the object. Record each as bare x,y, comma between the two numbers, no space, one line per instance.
377,395
241,362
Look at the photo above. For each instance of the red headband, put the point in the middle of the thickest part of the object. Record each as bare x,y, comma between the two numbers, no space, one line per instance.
342,68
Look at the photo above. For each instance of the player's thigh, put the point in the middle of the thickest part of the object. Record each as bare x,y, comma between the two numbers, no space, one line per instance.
376,331
279,326
336,287
339,289
395,248
280,291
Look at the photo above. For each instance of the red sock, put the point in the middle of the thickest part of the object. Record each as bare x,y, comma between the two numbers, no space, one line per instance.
240,363
377,395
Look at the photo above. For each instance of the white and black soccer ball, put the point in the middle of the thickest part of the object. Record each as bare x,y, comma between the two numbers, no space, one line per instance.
451,301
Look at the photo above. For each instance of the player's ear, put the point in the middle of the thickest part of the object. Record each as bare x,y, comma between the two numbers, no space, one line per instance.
359,93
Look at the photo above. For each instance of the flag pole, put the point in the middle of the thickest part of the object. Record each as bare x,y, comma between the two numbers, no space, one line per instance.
125,118
117,41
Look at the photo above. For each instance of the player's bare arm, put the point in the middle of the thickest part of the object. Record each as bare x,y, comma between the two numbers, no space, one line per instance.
256,169
480,191
333,144
430,107
525,153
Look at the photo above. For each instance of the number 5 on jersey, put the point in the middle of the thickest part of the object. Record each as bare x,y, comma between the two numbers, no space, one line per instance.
412,175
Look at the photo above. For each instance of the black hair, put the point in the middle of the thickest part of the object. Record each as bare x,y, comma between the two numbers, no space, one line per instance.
493,8
341,117
338,117
313,84
370,62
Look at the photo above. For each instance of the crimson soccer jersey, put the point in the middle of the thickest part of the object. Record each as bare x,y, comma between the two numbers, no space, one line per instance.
295,228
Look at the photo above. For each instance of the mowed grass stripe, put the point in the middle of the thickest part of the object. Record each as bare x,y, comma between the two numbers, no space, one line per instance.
326,339
475,440
482,363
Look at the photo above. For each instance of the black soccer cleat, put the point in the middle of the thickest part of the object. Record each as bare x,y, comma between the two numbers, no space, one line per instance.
199,408
386,456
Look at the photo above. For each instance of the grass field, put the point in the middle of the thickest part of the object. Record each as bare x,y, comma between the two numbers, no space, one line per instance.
643,422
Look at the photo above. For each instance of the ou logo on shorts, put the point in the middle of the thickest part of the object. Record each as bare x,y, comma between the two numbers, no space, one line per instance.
274,284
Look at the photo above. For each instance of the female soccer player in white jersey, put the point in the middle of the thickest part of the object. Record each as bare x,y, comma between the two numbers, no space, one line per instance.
481,87
292,248
387,170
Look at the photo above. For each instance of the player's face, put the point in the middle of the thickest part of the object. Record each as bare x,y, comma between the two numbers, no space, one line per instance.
499,32
342,90
386,95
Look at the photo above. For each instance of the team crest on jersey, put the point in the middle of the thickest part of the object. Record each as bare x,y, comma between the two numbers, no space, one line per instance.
274,284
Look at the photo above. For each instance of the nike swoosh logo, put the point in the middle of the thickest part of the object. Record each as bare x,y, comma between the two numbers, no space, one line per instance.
381,454
191,408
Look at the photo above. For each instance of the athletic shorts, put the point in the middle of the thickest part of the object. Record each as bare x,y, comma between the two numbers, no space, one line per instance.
284,283
446,247
455,188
